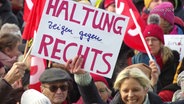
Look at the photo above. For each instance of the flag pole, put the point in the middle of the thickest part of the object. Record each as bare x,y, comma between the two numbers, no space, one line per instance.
141,35
29,51
27,54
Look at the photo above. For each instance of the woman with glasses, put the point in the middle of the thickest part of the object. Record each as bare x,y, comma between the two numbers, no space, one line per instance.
163,56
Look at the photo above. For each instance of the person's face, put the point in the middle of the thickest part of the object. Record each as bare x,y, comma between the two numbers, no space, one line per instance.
111,8
56,92
102,90
154,44
155,3
132,92
165,25
13,52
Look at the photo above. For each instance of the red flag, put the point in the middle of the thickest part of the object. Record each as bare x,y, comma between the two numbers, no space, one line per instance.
131,38
33,18
28,4
38,66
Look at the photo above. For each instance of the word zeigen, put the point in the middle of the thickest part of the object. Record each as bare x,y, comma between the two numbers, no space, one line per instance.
58,27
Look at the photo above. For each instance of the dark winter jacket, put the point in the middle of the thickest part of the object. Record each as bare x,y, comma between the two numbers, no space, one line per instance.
6,14
5,88
168,69
179,10
90,94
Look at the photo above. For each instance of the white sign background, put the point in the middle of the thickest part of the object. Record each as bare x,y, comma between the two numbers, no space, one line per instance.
175,42
107,47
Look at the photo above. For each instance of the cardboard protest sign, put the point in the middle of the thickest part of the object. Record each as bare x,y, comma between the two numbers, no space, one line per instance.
175,42
68,28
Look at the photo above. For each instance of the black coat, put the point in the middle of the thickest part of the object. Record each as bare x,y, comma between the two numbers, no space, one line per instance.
90,95
5,88
6,14
167,72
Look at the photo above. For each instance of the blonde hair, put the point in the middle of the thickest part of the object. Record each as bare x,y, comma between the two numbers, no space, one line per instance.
134,73
166,53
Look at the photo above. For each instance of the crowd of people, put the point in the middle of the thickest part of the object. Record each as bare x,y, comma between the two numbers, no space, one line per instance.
136,79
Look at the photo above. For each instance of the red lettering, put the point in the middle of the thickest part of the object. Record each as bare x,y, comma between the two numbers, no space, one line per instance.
54,7
72,15
85,55
63,6
107,63
55,52
43,45
119,28
55,49
97,25
65,50
87,14
108,23
94,58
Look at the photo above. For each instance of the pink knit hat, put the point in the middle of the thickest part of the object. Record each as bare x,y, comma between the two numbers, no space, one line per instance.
108,2
155,31
164,10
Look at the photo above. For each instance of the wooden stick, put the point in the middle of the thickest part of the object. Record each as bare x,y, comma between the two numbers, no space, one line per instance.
29,51
26,48
49,64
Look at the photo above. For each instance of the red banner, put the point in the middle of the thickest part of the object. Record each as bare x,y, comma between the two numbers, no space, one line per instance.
131,38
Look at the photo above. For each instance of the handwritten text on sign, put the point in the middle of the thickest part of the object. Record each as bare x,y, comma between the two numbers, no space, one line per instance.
69,28
175,42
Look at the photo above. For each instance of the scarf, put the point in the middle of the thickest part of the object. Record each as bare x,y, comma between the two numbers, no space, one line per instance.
6,60
159,60
174,30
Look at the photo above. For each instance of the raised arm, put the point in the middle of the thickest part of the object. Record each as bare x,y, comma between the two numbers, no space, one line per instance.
84,81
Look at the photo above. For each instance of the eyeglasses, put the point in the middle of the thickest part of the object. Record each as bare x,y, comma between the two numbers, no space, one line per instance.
54,88
102,90
151,39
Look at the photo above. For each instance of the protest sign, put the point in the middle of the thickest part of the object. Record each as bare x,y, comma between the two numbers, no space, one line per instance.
175,42
68,28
